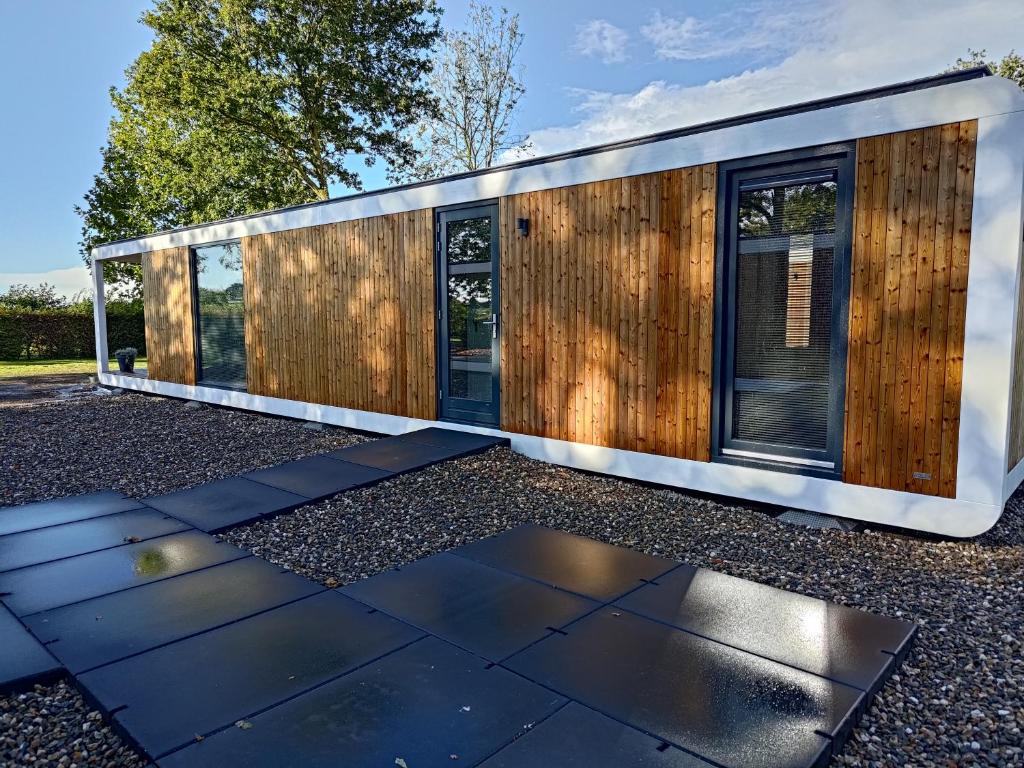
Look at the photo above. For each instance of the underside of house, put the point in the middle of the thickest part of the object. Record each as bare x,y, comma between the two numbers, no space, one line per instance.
816,306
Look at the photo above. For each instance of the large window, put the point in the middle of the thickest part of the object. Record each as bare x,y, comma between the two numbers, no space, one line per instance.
220,315
783,303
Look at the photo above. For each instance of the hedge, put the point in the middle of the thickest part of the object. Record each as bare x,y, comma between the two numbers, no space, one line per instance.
68,333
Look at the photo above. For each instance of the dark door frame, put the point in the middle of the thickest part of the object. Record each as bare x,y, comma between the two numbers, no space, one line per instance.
841,159
463,410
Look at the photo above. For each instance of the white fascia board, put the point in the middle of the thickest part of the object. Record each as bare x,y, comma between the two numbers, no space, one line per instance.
900,112
950,517
99,317
991,320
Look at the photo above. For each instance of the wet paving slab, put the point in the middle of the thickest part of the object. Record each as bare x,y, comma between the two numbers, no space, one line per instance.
50,585
531,648
43,545
112,627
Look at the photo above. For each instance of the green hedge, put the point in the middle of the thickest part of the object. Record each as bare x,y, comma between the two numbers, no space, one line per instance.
69,332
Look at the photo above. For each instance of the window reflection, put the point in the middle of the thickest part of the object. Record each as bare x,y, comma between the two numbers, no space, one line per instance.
221,310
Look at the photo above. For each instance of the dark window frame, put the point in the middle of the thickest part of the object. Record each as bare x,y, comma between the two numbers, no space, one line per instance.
197,338
459,410
842,158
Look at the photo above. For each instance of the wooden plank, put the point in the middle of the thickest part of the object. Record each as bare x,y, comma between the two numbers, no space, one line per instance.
918,465
890,308
904,321
701,450
693,311
875,314
966,150
860,268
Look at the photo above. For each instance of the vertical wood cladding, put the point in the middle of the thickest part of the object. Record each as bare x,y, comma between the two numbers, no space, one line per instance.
343,314
167,302
607,310
911,244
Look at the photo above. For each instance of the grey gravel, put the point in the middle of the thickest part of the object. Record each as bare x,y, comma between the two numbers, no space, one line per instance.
141,446
51,726
957,700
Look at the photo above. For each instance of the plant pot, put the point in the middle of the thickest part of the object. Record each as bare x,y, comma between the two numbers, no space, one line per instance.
126,363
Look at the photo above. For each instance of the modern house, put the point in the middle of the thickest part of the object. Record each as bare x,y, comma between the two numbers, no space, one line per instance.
817,306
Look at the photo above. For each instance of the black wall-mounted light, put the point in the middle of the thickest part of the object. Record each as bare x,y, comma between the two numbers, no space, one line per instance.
523,226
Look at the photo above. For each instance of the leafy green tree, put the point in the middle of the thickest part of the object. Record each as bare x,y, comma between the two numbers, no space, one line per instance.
241,106
1011,66
38,297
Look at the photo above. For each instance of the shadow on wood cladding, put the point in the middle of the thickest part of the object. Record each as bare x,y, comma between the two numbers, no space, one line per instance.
908,308
343,314
607,308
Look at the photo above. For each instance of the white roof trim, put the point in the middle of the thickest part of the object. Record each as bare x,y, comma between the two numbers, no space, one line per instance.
949,103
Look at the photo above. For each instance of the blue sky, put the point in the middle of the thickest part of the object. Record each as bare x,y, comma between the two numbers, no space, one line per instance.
595,70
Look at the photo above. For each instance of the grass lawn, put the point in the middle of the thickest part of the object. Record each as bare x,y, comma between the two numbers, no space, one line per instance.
22,368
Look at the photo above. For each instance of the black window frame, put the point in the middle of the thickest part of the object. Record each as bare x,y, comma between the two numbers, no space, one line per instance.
812,462
197,330
459,410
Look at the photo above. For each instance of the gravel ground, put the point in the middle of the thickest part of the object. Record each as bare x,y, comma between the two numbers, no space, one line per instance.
52,726
957,700
141,446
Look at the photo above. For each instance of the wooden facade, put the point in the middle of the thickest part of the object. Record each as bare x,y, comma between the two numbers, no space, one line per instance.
912,230
607,313
343,314
607,308
167,303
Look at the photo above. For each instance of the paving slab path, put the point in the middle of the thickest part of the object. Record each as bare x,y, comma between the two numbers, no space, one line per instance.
530,648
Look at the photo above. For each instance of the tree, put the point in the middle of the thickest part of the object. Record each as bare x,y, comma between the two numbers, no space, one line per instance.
1010,66
42,296
478,84
241,106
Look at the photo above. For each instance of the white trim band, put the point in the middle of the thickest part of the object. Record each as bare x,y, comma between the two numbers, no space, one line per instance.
950,103
950,517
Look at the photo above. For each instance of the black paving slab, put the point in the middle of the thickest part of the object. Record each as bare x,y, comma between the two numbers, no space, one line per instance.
226,503
317,477
112,627
42,545
578,737
428,705
30,516
203,683
841,643
726,705
395,454
481,609
589,568
469,442
23,659
41,587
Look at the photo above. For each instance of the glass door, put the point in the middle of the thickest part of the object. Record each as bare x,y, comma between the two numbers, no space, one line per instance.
783,301
468,314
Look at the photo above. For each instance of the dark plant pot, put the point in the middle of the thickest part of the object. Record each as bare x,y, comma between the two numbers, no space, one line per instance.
126,363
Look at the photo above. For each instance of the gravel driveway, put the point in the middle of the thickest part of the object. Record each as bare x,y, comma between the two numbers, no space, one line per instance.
957,701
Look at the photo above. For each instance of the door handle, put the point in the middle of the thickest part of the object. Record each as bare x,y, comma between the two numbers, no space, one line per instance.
493,322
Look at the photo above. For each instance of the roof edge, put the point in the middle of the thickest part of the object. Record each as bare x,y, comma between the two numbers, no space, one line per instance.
932,81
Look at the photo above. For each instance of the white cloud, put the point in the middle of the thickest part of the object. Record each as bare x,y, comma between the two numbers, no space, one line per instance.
602,39
757,27
68,281
857,45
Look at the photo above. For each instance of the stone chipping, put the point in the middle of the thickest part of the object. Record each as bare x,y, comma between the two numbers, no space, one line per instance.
956,701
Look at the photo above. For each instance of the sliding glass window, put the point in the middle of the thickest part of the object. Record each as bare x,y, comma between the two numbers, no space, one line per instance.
220,315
